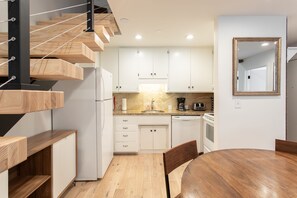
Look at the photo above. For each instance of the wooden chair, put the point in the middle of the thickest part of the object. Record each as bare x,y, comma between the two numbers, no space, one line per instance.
176,157
286,146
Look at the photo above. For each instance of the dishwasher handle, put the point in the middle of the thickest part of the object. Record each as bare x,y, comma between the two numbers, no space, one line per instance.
186,118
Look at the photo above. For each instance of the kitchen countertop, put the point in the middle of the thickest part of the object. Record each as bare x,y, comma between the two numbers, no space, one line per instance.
166,112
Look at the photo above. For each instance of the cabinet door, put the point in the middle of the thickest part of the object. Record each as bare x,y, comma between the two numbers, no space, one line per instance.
146,138
4,184
179,70
145,57
201,69
160,137
64,163
109,60
161,62
128,70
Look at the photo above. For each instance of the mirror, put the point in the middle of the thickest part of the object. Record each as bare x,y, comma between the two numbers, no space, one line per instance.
256,66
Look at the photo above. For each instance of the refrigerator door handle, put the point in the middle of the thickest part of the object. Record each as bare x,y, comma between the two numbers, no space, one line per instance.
103,124
103,86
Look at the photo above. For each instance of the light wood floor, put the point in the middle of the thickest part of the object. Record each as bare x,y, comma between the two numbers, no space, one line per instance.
131,176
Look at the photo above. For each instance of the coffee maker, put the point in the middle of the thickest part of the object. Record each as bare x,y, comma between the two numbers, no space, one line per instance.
181,104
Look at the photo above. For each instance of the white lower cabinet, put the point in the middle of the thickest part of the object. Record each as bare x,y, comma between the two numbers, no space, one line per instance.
126,134
142,133
4,184
64,164
153,137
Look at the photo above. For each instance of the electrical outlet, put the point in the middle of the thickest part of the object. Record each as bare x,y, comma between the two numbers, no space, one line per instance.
237,104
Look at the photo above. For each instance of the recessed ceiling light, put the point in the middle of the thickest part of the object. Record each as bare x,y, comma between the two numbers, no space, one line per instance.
138,37
190,36
124,20
264,44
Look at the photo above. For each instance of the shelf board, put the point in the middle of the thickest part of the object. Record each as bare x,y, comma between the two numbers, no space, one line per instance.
43,140
25,186
13,150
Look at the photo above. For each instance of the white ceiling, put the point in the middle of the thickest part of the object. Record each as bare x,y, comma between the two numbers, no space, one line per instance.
167,22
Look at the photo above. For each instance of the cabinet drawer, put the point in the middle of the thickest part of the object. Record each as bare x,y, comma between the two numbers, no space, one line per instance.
126,127
126,147
125,137
125,120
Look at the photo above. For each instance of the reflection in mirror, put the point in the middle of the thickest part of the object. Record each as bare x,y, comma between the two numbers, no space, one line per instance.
256,66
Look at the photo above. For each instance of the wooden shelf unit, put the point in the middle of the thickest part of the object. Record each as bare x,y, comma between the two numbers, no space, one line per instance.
25,186
34,177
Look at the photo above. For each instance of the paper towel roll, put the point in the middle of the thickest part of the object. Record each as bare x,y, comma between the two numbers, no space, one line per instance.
124,104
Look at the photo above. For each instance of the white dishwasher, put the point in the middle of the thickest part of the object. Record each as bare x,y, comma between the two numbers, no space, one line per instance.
186,128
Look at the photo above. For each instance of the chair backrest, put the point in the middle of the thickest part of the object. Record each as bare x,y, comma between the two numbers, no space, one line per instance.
286,146
176,157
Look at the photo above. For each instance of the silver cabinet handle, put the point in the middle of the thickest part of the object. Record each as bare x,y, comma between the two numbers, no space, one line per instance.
192,87
125,120
125,127
125,135
189,87
125,146
155,74
151,130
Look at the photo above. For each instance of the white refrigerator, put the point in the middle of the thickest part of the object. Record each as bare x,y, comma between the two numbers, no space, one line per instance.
88,108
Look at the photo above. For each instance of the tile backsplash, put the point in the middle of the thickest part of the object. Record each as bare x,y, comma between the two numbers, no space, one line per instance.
141,101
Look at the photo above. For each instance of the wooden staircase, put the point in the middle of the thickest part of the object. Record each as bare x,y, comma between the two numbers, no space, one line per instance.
56,59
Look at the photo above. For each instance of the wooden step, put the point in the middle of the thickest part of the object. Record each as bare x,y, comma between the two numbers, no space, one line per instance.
100,17
58,29
91,39
74,52
26,185
110,28
13,150
49,69
25,101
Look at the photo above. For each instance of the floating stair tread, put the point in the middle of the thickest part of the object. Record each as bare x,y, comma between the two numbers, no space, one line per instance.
49,69
44,34
43,140
110,27
94,40
74,52
99,17
13,150
25,101
25,186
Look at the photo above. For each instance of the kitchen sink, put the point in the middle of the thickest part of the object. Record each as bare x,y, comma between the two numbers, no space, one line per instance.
152,111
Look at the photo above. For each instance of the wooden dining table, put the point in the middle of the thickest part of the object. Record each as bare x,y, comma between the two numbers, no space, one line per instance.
241,173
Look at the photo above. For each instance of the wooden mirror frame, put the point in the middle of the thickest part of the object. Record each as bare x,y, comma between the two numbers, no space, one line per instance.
277,62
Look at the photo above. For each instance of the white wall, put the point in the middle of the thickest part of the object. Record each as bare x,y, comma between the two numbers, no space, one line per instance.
260,119
32,124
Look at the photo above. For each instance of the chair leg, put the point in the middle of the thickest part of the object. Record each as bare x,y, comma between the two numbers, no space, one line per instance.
167,186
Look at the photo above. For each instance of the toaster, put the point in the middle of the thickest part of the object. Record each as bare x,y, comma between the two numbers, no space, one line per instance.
199,106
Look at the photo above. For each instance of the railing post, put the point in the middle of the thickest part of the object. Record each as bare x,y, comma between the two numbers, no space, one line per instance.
20,47
90,16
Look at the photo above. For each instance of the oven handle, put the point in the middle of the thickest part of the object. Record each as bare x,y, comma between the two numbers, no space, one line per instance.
207,120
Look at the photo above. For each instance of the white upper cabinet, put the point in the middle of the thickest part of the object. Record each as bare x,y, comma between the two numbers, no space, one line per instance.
153,63
179,70
201,70
190,70
128,70
109,60
161,63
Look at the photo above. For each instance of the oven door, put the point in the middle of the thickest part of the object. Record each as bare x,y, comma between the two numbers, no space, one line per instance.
208,135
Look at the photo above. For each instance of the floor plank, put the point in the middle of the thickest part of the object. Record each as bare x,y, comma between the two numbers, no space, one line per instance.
130,176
